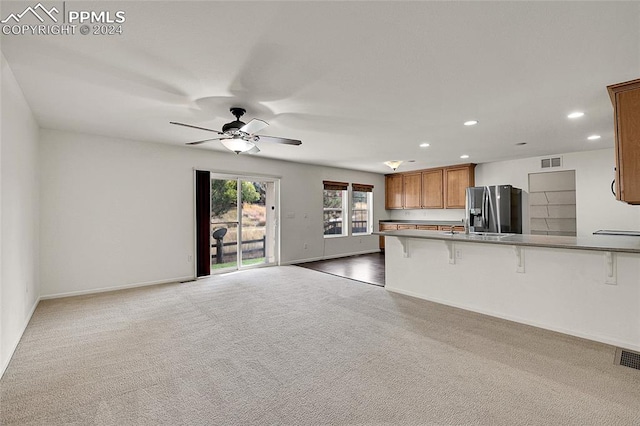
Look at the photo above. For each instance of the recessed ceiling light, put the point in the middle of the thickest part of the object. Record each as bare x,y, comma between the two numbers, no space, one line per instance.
521,143
424,145
593,137
464,156
471,123
576,114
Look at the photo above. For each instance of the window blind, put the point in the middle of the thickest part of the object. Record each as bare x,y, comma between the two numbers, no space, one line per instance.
361,187
335,186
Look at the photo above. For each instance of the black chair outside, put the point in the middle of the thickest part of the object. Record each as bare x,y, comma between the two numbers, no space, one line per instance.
218,235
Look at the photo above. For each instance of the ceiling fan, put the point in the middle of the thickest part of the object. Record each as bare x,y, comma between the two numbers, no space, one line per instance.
239,137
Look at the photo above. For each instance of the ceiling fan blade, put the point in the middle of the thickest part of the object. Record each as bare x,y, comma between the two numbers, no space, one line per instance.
205,140
254,126
279,140
253,150
196,127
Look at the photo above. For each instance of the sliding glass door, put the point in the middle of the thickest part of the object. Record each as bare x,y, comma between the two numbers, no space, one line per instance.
243,223
224,225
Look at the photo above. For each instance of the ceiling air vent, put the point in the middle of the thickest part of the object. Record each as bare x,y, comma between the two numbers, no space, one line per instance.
628,358
547,163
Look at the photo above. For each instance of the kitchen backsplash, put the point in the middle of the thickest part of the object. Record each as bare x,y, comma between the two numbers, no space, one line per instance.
427,214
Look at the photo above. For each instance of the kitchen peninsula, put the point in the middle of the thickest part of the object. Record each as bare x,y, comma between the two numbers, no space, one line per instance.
583,286
424,225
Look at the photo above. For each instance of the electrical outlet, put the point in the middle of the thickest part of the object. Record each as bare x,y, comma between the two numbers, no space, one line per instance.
305,246
458,254
189,258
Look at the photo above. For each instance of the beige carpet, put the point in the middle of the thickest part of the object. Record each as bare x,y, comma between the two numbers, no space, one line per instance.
289,345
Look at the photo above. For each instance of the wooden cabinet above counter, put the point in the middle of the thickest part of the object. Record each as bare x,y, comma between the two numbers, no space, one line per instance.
438,188
625,98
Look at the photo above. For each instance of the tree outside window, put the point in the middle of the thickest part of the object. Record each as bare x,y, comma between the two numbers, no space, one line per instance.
334,207
361,212
224,195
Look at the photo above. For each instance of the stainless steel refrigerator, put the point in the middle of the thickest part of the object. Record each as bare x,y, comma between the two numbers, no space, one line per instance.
494,209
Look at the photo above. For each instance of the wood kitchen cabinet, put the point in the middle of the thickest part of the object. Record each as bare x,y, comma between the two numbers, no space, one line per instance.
427,227
432,189
407,226
386,227
625,98
412,190
393,192
456,228
443,187
456,181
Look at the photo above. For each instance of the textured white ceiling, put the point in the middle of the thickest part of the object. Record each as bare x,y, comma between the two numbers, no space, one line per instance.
358,82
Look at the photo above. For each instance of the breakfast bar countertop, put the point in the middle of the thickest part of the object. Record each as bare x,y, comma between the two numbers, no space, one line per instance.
612,243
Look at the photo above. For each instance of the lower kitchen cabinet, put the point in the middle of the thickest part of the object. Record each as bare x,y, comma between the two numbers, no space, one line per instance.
407,226
386,227
456,228
398,226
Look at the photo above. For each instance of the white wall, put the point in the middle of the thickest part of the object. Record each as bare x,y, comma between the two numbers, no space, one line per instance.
563,290
118,212
596,207
428,214
19,213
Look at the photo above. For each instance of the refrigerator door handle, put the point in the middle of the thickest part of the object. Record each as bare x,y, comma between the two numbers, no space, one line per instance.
485,206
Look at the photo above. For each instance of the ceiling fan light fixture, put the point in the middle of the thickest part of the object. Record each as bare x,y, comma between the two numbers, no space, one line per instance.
394,164
237,145
240,137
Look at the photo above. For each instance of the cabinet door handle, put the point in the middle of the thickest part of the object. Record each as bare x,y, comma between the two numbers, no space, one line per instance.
613,182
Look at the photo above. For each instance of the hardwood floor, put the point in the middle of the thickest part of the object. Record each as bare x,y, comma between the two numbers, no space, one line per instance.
367,268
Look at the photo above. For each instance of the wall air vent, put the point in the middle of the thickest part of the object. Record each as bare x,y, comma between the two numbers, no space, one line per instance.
547,163
627,358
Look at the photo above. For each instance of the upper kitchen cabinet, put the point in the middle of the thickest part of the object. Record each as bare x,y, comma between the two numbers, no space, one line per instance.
412,190
444,187
456,181
393,191
432,189
626,106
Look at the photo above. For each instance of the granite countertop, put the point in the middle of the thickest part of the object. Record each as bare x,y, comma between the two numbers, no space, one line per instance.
425,222
613,243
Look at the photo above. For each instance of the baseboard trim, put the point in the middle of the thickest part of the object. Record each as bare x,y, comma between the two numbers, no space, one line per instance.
333,256
4,365
586,336
116,288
